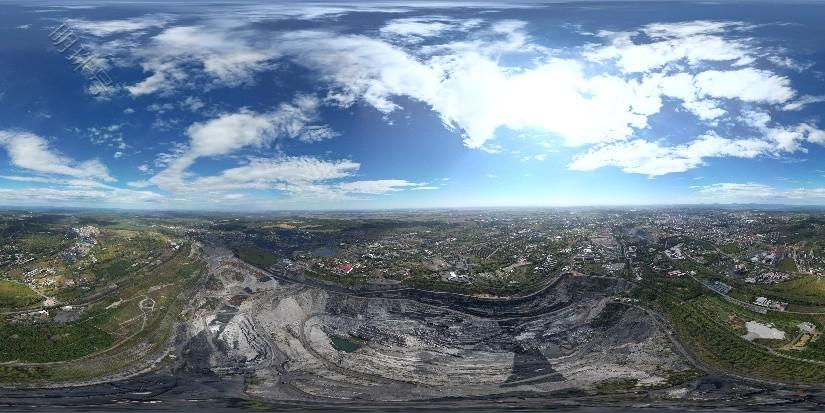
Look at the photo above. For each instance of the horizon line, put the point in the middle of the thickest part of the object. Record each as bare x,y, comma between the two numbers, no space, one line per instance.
737,205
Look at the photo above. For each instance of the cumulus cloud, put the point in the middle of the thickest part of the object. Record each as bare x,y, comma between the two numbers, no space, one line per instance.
601,96
472,92
468,86
748,85
492,75
229,58
690,42
32,153
230,132
284,172
653,159
302,176
62,180
788,138
299,177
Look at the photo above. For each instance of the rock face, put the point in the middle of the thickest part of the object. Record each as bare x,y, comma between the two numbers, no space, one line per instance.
280,334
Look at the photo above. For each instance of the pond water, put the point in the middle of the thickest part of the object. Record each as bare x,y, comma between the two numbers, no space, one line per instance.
323,252
344,344
765,331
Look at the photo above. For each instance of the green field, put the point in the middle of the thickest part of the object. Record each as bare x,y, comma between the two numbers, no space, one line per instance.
786,265
804,293
45,244
805,289
711,328
46,342
15,295
112,332
256,256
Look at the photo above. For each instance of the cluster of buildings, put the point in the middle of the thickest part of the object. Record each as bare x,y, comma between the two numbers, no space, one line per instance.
675,252
769,303
720,287
86,239
677,273
769,257
14,258
771,277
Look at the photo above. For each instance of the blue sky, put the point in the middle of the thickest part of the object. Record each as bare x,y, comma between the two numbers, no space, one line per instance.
260,106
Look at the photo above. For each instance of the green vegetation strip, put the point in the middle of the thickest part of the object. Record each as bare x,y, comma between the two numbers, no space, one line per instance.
725,349
256,256
16,295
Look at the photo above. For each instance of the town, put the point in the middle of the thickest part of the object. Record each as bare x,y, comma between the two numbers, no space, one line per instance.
740,290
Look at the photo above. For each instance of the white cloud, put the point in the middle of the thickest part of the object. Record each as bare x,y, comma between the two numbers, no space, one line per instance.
474,85
654,158
361,67
103,28
64,196
192,103
164,77
229,57
745,192
31,152
785,138
466,83
601,97
473,92
316,133
748,85
268,173
233,197
300,177
690,42
139,184
321,10
802,102
417,29
787,62
78,191
297,176
650,158
230,132
539,157
683,86
377,187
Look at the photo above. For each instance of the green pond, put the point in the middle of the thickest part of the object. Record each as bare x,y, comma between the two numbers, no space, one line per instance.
344,344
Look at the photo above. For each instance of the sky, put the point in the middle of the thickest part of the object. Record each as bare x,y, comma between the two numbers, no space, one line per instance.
248,106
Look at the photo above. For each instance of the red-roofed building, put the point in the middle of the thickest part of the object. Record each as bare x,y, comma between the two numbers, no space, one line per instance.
347,268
